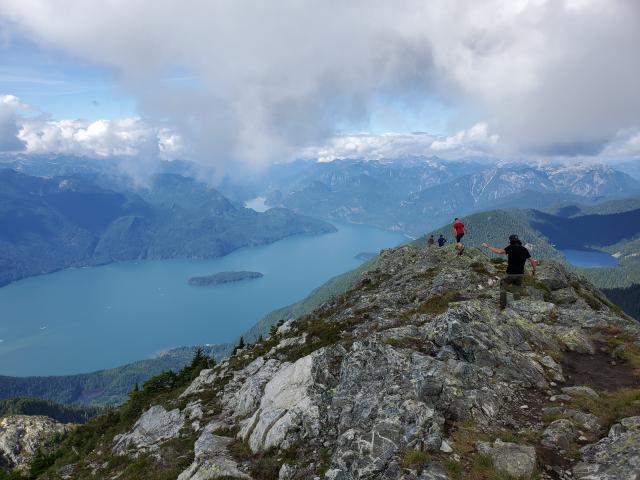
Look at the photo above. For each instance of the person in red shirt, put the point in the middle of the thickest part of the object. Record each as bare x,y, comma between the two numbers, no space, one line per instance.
458,230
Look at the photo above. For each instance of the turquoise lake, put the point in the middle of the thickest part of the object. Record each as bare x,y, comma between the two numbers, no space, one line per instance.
587,258
86,319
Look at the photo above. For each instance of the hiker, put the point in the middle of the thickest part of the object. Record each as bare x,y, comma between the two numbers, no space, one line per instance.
517,256
441,241
458,230
430,241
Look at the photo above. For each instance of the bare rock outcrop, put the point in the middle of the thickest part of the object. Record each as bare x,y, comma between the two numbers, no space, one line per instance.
21,436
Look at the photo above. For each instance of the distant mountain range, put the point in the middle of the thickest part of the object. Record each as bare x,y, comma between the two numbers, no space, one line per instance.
56,222
418,194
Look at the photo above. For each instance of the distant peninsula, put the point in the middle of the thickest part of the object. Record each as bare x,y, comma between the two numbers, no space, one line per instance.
223,277
365,255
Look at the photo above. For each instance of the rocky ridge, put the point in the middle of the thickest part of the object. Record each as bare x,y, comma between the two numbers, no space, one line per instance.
414,373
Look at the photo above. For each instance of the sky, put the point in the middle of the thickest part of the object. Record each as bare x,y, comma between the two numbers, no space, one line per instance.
239,84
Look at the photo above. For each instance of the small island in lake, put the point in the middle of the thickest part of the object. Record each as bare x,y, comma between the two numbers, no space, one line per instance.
223,277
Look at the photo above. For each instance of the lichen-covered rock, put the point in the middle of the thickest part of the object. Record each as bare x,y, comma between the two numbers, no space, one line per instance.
581,390
510,458
212,458
21,436
560,434
155,426
582,419
615,457
536,311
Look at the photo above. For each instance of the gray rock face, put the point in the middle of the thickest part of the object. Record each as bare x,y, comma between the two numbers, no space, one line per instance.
290,405
212,459
254,378
511,458
21,436
615,457
155,426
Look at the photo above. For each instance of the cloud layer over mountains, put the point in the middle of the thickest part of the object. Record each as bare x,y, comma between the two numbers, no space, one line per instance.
262,81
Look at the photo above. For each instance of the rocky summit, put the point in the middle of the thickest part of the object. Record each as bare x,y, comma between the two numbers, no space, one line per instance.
414,373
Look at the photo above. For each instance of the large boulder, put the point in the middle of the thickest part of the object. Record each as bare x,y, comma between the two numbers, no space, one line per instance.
510,458
154,427
615,457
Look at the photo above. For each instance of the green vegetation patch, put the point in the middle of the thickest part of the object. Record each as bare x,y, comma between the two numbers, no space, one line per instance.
414,459
439,303
265,465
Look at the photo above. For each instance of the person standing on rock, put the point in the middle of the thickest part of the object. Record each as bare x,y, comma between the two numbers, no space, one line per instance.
430,241
441,241
517,256
458,230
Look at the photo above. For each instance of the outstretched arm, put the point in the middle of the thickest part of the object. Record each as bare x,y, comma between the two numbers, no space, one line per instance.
499,251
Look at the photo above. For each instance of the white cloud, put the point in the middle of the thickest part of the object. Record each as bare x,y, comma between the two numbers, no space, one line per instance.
476,141
127,137
102,138
10,107
371,147
626,145
272,77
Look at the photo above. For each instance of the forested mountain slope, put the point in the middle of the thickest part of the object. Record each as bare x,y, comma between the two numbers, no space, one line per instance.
51,223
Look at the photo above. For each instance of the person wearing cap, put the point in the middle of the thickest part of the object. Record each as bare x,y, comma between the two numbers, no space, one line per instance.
517,256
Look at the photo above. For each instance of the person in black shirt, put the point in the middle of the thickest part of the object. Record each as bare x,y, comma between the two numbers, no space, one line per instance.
517,256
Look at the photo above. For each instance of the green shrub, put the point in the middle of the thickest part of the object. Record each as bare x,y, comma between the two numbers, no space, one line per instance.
414,459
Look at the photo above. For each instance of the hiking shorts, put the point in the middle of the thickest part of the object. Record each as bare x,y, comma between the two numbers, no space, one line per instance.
459,237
